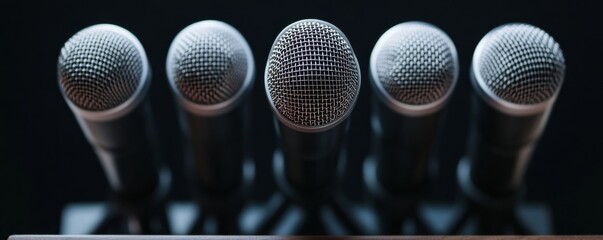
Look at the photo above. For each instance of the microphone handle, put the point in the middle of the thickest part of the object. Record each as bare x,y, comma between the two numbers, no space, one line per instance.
403,147
311,160
127,149
500,146
216,150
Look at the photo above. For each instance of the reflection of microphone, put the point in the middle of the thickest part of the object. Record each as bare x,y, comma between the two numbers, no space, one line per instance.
312,81
413,71
211,70
104,75
517,71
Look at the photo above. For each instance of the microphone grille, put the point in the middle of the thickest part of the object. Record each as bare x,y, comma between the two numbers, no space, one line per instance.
520,63
416,63
99,68
312,76
208,63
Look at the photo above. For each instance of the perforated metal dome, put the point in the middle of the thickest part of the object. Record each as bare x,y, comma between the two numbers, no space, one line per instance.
99,68
520,63
416,63
312,75
208,62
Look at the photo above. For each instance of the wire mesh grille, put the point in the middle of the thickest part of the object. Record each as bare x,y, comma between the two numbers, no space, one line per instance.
521,64
312,74
209,65
416,64
99,69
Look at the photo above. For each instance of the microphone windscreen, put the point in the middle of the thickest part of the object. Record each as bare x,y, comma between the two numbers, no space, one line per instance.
208,63
520,64
415,63
101,67
312,75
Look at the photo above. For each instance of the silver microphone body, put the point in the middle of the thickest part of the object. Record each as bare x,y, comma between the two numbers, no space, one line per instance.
413,72
517,72
104,76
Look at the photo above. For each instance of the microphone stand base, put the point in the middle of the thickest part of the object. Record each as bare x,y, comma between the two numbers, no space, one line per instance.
281,216
289,212
399,213
219,215
121,216
483,214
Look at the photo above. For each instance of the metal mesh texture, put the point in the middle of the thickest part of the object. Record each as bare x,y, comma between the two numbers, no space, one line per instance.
521,64
312,74
416,64
209,65
99,69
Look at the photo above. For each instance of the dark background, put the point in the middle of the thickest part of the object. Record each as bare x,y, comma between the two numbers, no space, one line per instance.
45,161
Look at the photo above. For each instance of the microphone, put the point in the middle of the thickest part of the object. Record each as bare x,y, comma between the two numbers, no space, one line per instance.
516,72
312,81
211,70
104,76
413,72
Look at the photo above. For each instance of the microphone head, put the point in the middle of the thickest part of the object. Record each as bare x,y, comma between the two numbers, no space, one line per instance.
312,77
519,68
209,66
103,71
414,68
